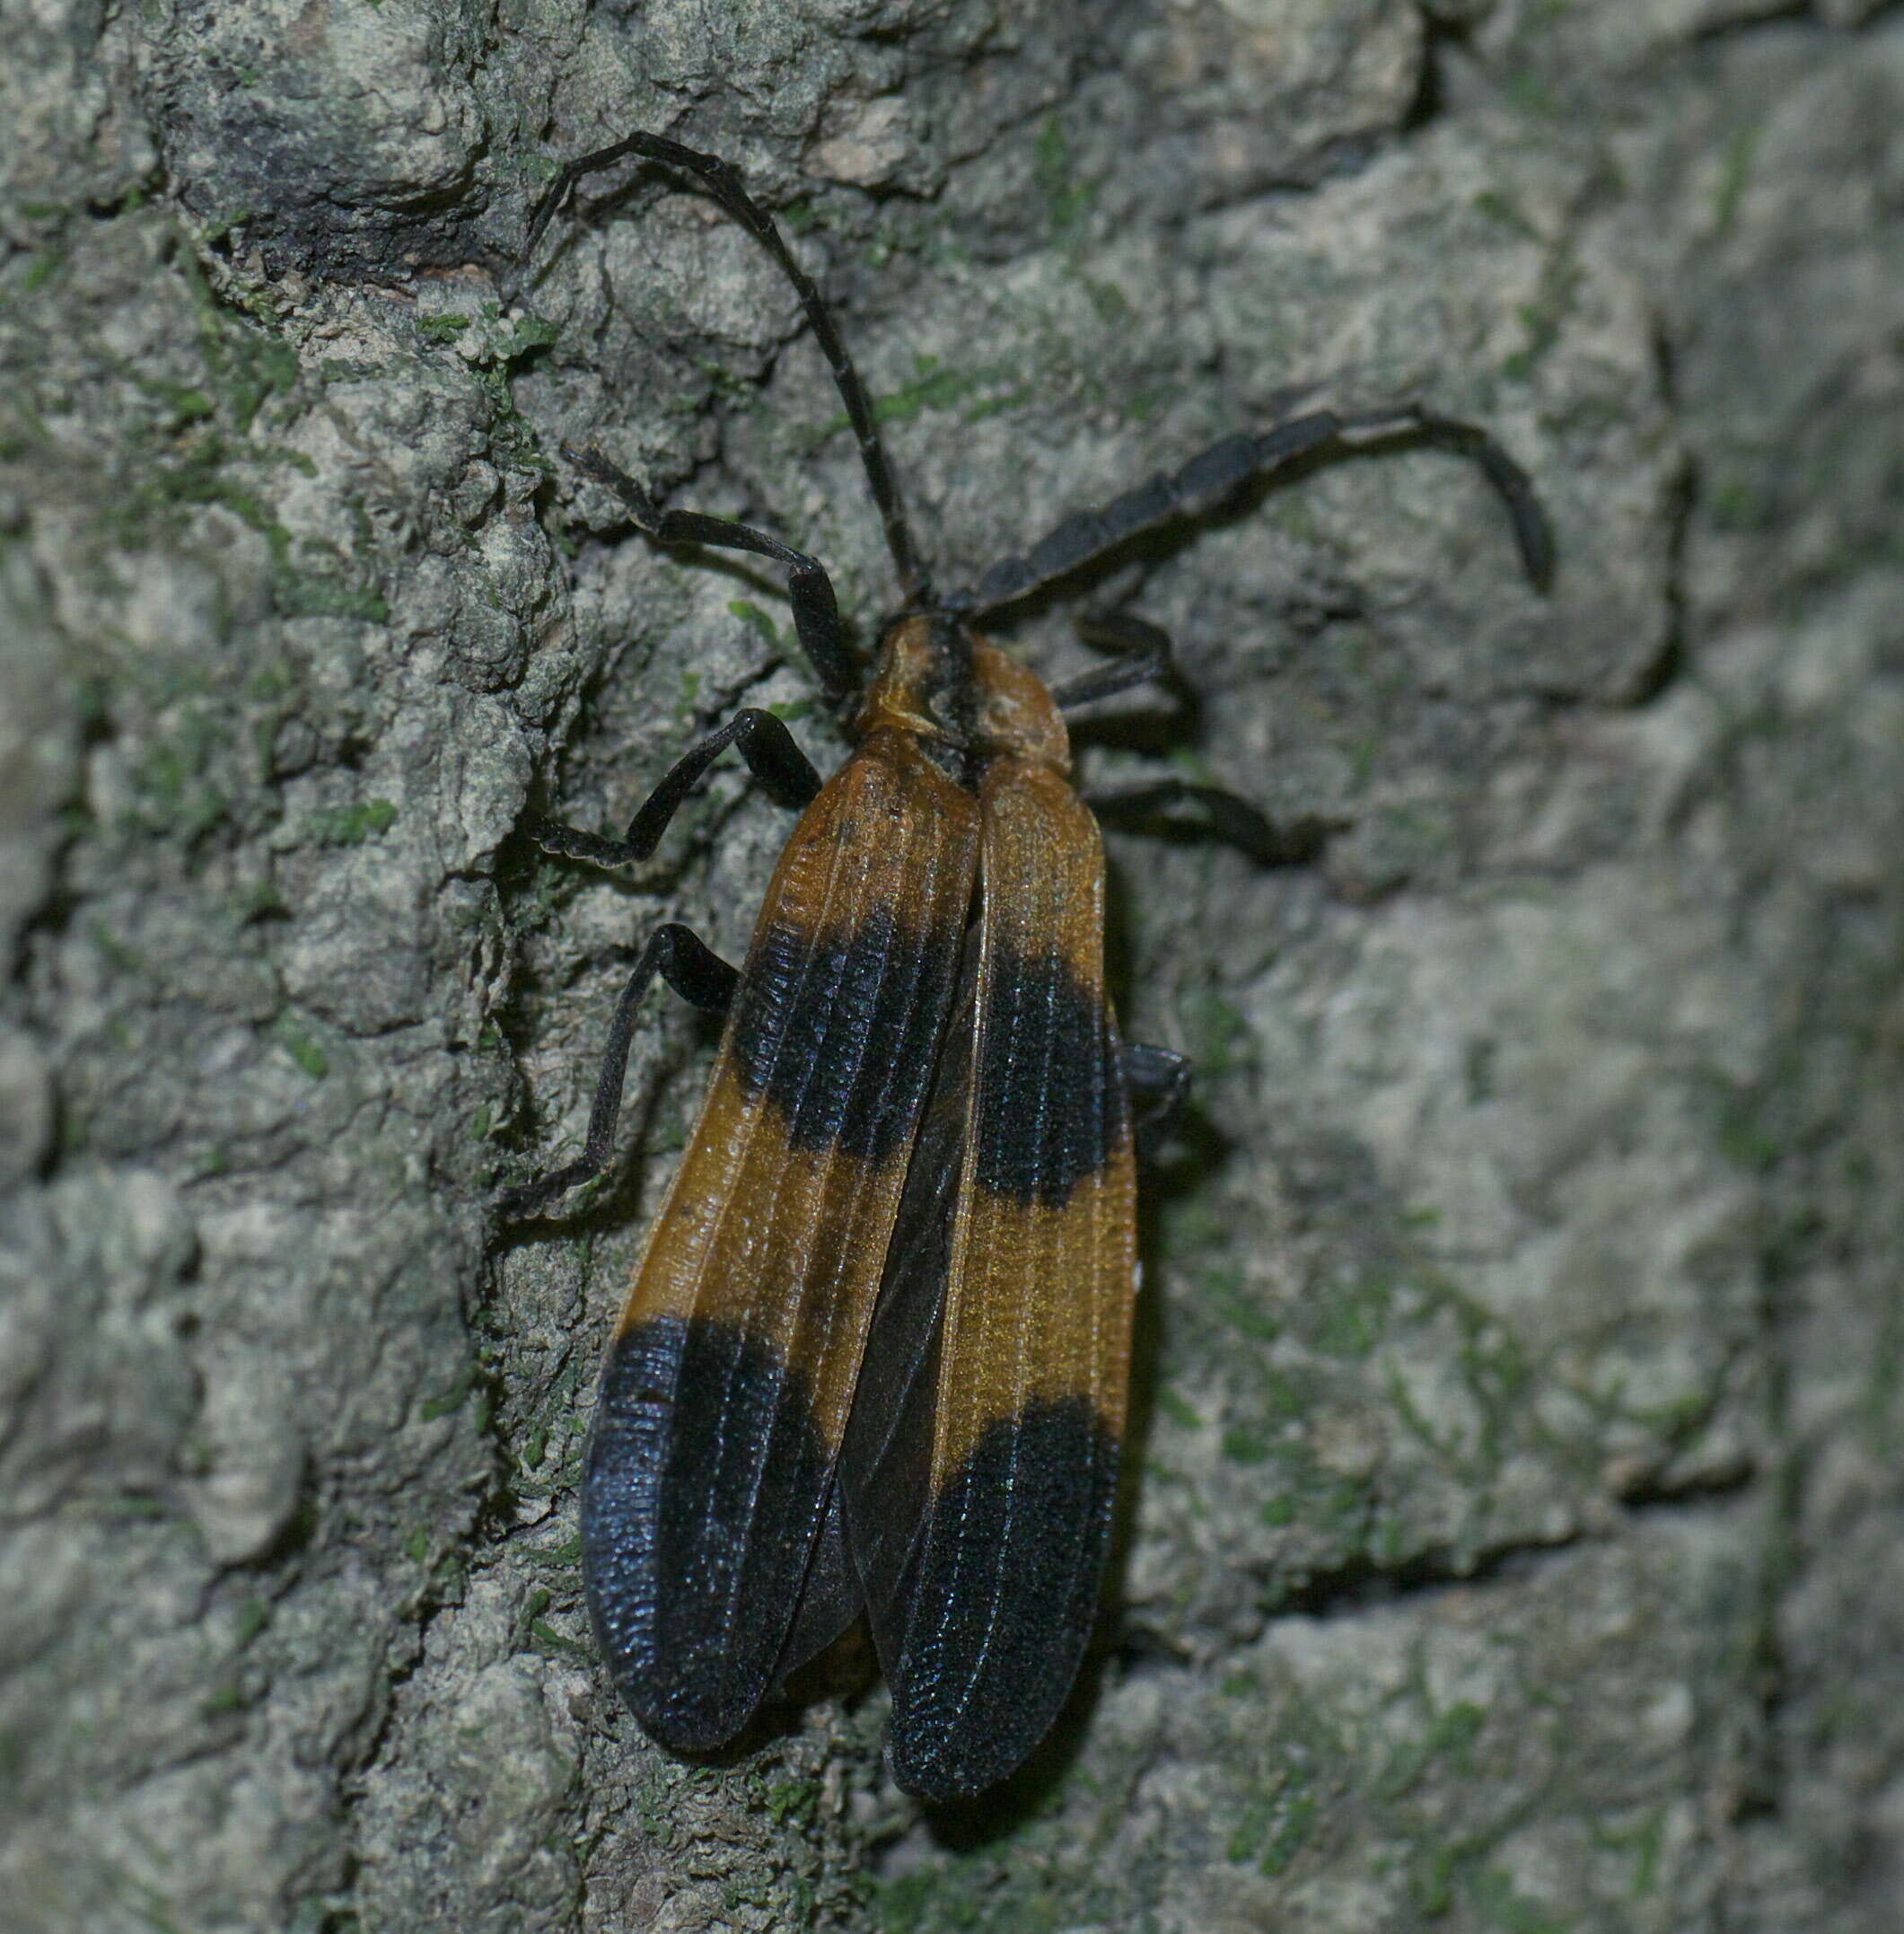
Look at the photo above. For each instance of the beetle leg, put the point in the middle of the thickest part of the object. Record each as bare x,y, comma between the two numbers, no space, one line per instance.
1159,1080
702,979
816,611
772,755
1142,657
1229,817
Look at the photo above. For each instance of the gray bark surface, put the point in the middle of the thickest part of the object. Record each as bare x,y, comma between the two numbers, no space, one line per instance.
1518,1541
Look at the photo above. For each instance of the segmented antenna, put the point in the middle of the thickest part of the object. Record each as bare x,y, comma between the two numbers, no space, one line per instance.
722,182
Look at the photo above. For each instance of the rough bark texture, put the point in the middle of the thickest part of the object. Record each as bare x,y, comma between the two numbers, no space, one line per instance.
1518,1538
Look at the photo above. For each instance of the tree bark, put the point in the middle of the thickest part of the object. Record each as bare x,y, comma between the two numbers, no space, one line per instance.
1516,1538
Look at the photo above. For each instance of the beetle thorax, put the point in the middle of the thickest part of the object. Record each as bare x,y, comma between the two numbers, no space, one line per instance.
1017,715
937,679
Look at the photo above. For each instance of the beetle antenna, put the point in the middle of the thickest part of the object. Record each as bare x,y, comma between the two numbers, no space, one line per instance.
722,180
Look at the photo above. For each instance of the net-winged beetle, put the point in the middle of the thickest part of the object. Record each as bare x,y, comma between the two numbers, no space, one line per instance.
876,1357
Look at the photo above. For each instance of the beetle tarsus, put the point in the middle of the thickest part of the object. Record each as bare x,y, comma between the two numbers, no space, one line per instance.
704,980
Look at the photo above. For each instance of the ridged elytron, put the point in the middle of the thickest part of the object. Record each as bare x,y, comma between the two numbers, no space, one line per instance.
875,1358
